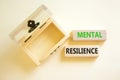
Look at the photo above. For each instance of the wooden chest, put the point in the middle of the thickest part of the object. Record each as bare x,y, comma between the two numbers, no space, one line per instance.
39,35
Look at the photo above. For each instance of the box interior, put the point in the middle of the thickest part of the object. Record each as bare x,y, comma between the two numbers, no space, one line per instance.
45,41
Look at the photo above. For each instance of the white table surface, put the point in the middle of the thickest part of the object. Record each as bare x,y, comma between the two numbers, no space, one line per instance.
71,15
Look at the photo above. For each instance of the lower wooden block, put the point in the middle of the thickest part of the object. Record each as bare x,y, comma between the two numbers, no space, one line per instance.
82,51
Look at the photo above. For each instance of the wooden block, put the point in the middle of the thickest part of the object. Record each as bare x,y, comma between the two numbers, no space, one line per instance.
89,35
81,51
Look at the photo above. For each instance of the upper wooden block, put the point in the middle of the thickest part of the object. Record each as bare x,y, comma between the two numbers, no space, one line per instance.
89,35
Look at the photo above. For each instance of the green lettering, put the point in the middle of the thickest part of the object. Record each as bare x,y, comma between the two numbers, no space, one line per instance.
92,34
85,34
80,34
98,35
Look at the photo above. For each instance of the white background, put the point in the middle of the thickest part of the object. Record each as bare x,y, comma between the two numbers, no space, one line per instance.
70,14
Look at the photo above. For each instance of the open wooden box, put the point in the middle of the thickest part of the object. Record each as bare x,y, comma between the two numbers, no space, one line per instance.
43,40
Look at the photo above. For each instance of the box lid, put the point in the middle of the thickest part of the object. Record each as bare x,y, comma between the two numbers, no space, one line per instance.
41,15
